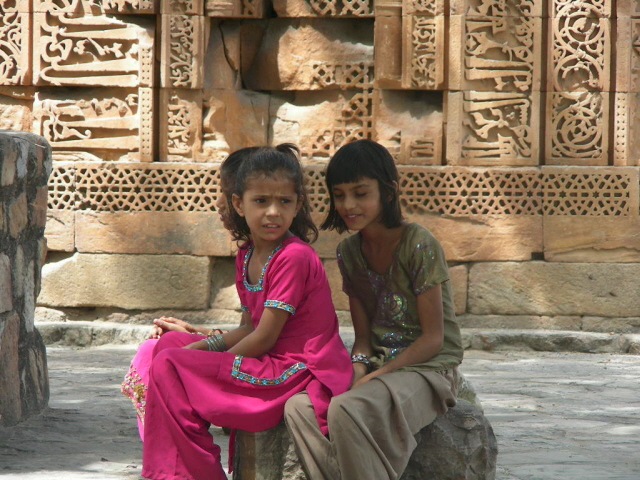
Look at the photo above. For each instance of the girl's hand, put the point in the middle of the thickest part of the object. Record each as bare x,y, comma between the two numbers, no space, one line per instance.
199,345
365,379
169,324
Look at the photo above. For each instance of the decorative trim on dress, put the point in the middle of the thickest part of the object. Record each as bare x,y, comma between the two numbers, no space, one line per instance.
245,262
245,377
134,388
280,305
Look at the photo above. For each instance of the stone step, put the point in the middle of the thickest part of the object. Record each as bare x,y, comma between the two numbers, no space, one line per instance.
97,333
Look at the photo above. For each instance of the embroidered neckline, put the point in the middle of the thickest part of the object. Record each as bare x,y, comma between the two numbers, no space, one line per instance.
258,286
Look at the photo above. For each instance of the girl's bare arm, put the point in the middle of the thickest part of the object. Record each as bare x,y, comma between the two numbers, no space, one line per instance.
362,342
429,343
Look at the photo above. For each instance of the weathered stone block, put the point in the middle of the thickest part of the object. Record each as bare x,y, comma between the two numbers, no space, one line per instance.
508,8
15,43
520,322
15,108
485,237
459,444
60,230
329,55
541,288
459,277
224,294
126,281
626,129
180,124
18,215
233,119
189,233
409,125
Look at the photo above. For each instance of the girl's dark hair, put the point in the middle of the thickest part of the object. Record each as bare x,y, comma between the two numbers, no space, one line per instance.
228,172
355,161
268,162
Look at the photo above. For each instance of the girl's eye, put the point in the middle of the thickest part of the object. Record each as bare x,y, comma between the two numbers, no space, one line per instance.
360,194
259,200
338,195
286,200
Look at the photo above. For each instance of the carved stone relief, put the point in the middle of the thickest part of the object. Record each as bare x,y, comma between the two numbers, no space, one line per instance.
75,44
183,44
487,128
113,124
181,124
15,48
578,126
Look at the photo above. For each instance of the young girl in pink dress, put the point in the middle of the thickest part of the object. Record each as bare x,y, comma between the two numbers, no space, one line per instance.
136,380
287,342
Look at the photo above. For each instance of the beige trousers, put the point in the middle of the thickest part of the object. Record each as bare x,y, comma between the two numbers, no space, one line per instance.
371,428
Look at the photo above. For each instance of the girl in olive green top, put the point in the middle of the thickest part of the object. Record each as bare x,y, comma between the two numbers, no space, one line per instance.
407,342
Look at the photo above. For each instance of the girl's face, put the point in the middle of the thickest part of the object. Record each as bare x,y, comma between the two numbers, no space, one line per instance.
269,205
358,203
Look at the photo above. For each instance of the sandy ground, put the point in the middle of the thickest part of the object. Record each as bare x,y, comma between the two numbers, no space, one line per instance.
556,416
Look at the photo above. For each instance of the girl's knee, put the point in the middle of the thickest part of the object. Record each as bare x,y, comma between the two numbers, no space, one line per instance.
296,406
173,340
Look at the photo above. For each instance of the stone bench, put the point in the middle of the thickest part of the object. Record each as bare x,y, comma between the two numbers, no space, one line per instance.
458,445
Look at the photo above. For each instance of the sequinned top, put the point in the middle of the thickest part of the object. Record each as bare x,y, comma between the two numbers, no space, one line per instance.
390,299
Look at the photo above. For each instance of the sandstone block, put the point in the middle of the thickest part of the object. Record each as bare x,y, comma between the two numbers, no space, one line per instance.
180,123
485,238
541,288
460,444
39,207
459,277
190,233
521,322
126,281
224,294
60,230
328,55
182,53
409,125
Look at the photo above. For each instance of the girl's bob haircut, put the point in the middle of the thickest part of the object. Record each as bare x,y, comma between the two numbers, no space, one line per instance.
266,162
357,160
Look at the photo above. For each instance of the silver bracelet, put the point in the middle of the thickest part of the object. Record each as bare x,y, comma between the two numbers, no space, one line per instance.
215,343
361,358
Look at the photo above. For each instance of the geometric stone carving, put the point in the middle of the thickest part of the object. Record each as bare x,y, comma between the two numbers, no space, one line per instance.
15,48
81,46
115,123
502,8
183,42
493,128
577,128
182,7
594,192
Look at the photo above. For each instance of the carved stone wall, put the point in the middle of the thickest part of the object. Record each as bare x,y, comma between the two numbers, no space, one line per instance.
514,122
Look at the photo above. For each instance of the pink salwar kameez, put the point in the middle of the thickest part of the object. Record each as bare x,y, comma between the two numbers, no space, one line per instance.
190,389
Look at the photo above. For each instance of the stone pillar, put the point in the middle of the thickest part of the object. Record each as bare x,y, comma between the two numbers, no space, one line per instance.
25,166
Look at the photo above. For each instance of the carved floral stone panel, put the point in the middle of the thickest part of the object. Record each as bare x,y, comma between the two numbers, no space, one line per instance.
77,45
15,48
577,128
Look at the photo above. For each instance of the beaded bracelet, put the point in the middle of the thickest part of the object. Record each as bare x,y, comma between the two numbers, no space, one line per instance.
361,358
215,343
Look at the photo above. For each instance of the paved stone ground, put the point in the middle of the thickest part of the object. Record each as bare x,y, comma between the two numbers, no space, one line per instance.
556,416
